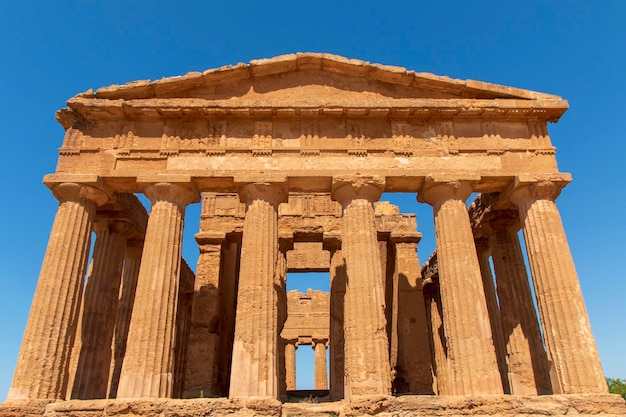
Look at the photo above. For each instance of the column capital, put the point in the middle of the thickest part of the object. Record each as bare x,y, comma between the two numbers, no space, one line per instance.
72,191
525,188
179,194
435,190
315,342
349,187
293,342
272,192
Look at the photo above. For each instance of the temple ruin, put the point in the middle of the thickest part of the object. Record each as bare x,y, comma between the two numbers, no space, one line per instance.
289,157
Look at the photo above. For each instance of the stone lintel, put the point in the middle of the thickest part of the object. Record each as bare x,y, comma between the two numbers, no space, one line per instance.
396,180
308,260
210,238
405,237
240,180
332,241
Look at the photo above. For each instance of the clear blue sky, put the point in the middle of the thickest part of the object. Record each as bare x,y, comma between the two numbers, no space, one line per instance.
575,49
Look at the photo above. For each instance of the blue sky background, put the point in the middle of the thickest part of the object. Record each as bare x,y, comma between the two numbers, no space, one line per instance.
575,49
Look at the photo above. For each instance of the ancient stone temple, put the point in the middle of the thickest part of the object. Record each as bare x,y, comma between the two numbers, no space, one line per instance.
289,157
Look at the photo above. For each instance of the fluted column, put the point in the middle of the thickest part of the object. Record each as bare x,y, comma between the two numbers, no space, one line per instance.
149,363
528,370
321,376
42,365
290,365
414,370
281,280
566,328
366,345
204,338
439,355
228,298
472,360
482,250
337,296
132,261
254,370
99,310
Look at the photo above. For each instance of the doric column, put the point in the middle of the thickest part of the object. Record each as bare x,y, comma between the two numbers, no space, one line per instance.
472,360
228,297
149,363
414,370
42,365
281,280
254,370
183,325
290,365
99,310
366,345
321,376
337,296
440,360
204,338
528,370
567,332
483,252
132,261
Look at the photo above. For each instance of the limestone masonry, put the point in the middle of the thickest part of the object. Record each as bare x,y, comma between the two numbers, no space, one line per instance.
289,157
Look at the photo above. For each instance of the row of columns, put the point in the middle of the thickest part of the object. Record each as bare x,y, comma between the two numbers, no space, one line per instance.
321,376
470,359
149,362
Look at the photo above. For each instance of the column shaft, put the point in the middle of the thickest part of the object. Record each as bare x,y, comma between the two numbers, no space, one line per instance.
99,311
321,376
132,261
204,339
365,330
290,366
228,298
527,362
482,249
472,360
42,365
149,363
281,279
440,358
414,368
183,325
566,328
337,296
254,370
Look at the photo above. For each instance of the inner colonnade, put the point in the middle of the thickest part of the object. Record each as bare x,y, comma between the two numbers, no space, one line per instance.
290,157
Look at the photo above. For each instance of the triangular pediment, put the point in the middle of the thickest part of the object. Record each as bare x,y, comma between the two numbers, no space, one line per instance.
310,78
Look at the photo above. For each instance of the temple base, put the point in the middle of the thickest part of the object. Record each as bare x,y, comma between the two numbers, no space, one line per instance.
606,405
